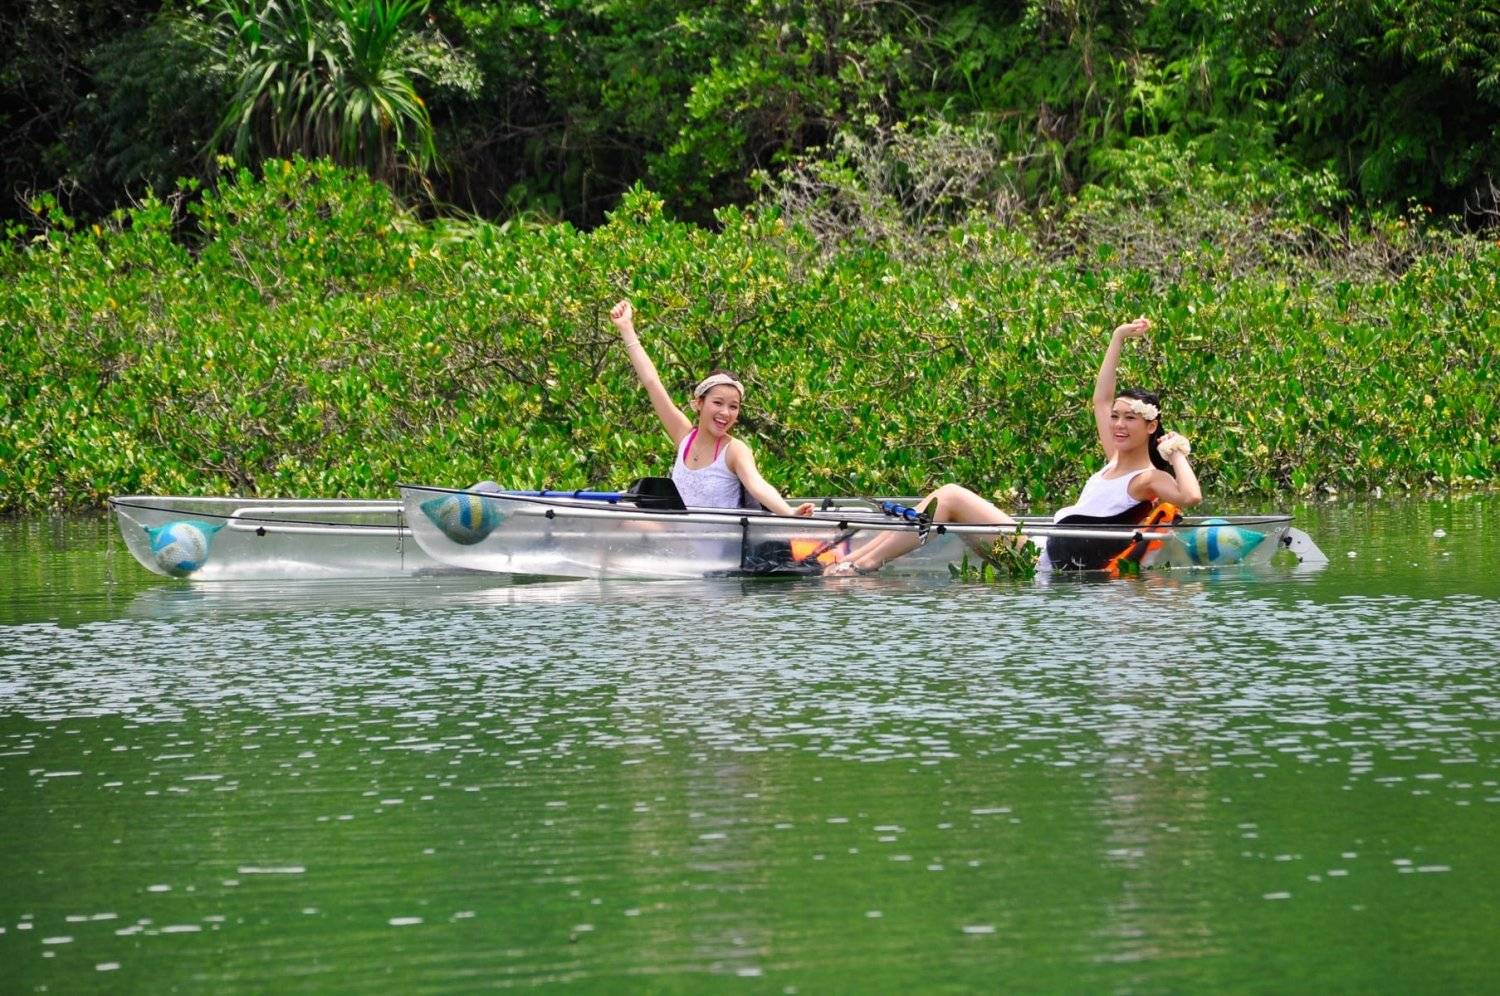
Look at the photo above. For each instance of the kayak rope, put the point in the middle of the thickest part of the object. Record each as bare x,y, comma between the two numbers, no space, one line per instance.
274,520
886,507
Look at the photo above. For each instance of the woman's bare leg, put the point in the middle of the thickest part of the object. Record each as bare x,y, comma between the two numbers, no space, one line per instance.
955,503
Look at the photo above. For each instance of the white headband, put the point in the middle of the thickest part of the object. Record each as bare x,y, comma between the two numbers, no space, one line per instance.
714,380
1144,409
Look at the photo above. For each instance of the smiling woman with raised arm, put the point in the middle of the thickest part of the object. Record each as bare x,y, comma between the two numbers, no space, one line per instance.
1145,467
712,470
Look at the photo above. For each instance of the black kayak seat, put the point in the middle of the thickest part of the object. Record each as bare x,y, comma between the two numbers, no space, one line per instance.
658,493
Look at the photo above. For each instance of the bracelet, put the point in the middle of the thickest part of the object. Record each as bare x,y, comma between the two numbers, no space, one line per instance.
1175,446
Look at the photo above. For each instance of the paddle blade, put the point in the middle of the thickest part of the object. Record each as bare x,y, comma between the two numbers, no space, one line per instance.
1304,548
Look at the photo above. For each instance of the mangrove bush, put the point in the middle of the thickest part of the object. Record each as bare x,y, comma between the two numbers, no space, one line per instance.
296,332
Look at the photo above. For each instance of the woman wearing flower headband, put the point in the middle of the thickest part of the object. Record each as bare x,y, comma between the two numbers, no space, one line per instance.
711,469
1145,466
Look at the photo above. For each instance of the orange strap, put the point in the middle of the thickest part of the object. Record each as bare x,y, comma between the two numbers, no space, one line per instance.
804,548
1161,514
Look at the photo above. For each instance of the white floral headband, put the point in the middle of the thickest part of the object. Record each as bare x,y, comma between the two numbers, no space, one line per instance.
1144,409
715,380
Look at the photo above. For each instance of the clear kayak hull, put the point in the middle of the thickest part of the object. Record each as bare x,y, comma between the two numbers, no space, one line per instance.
232,539
562,537
440,531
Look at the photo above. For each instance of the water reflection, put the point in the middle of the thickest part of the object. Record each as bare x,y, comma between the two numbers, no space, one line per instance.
873,784
1146,665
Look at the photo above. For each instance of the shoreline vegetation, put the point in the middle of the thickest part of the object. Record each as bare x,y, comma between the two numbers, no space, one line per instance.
906,226
295,331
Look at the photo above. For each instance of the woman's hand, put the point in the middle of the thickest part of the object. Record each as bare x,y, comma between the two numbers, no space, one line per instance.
623,315
1172,445
1104,380
676,423
805,509
1180,487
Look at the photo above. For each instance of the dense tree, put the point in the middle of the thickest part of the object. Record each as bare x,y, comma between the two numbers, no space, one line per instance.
1404,98
45,51
583,99
331,78
558,106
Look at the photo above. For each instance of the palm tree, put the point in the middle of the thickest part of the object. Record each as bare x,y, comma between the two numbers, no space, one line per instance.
324,78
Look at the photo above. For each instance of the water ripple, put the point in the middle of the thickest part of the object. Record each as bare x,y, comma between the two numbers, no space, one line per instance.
893,671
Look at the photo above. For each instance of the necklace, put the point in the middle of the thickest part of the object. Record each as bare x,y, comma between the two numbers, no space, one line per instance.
696,460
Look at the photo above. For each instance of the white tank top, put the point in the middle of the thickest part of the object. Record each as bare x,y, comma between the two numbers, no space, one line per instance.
715,486
1103,496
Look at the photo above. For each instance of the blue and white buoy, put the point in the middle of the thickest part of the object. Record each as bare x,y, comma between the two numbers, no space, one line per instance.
1220,542
180,548
465,518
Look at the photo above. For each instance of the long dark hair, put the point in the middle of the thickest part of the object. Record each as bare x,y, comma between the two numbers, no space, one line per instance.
1157,460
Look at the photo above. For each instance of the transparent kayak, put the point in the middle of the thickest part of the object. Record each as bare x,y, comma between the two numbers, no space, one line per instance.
594,536
253,539
443,531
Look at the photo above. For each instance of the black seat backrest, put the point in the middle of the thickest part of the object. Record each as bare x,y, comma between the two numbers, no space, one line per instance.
658,493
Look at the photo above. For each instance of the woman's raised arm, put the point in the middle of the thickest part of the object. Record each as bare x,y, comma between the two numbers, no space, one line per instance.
1104,383
672,419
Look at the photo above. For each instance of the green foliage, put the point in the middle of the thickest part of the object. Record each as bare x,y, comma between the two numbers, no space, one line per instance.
585,98
46,74
316,339
554,108
979,571
324,78
901,188
155,99
1169,208
1012,558
1402,98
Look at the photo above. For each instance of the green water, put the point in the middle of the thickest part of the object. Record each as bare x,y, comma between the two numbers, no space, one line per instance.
1193,781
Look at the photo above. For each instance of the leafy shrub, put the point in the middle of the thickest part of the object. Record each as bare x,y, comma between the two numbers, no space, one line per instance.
315,339
901,188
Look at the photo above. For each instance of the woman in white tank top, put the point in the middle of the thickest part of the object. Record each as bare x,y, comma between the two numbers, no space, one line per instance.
1145,466
711,466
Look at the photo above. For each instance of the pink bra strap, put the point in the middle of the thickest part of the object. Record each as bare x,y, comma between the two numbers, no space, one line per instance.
718,445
